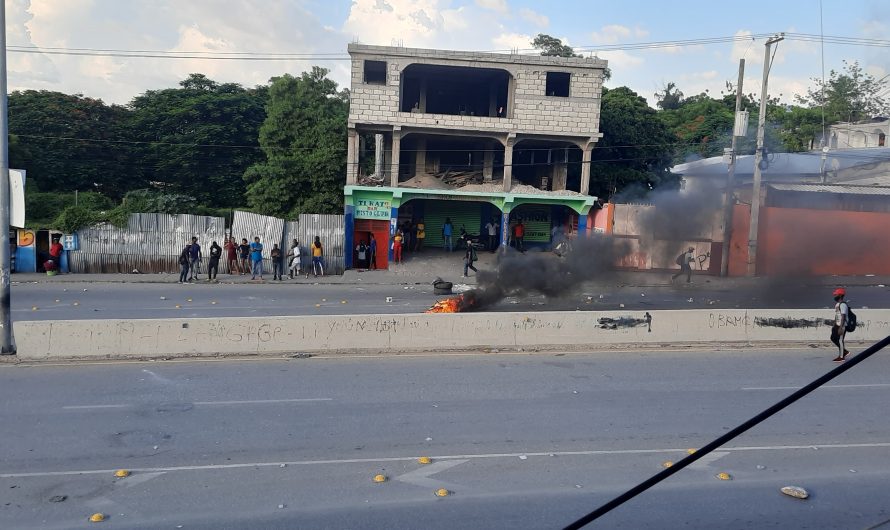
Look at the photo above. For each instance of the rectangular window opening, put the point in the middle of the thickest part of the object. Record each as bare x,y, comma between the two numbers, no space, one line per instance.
375,72
558,84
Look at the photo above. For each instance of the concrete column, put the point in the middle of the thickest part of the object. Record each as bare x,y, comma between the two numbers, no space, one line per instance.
560,171
378,155
396,152
492,100
351,157
423,89
511,96
420,158
585,169
488,162
508,162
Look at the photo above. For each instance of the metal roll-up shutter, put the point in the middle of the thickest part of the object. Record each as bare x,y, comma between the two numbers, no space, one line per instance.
466,214
536,220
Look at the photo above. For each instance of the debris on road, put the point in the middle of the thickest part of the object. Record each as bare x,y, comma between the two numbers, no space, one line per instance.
58,498
795,491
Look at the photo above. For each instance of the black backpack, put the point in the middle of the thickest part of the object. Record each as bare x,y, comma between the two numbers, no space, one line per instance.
852,321
681,259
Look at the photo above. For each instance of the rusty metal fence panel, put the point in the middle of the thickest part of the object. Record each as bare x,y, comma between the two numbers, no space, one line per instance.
247,225
151,243
331,230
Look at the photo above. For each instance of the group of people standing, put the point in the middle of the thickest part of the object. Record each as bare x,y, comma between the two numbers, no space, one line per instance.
247,258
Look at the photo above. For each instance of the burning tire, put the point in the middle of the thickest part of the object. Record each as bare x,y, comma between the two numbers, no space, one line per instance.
442,290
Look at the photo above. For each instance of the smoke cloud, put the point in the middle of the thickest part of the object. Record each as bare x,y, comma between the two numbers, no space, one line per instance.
520,274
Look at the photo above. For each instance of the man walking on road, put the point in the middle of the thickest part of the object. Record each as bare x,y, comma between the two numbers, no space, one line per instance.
256,257
839,329
685,260
194,259
519,236
469,258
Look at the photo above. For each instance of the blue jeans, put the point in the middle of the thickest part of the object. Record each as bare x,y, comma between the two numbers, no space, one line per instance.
257,269
468,265
184,273
449,244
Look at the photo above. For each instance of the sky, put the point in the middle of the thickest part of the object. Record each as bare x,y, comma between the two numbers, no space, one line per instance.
323,28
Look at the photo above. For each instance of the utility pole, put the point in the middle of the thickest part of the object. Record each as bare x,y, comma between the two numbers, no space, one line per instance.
6,344
728,204
758,159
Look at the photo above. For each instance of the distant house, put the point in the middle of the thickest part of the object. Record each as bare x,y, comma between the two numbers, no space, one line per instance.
871,133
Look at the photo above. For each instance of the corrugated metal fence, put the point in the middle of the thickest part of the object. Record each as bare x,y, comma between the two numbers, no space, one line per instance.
330,230
270,230
152,242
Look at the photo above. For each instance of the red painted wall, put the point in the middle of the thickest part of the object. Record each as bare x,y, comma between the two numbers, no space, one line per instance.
823,242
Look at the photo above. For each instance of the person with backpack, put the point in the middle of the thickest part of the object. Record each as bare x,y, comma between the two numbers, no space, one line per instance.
685,260
213,266
844,322
469,258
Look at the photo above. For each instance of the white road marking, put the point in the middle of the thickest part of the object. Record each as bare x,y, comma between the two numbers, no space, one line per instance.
872,385
421,476
604,452
90,407
704,462
204,403
261,401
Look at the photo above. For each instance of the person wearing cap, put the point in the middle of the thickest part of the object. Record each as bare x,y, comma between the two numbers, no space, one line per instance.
839,329
685,260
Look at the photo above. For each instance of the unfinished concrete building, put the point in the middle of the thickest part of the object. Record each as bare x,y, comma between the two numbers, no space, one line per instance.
470,137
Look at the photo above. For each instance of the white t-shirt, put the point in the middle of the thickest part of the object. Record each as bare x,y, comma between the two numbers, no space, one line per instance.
361,251
492,229
841,308
296,251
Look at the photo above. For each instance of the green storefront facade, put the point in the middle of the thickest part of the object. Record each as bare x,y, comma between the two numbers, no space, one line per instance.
377,210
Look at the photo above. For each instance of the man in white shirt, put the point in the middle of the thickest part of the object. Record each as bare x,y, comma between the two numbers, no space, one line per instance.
295,264
492,228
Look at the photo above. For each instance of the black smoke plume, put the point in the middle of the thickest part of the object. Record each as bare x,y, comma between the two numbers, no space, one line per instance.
519,274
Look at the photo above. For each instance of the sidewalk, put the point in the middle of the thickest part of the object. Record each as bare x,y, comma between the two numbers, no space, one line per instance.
423,268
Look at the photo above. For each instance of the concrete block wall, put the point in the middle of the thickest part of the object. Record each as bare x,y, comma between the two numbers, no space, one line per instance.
533,111
148,338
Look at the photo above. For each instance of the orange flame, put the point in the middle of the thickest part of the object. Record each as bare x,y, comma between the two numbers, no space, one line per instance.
448,305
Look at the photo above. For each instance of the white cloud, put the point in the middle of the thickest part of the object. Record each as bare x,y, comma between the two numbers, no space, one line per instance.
512,41
620,60
169,25
495,5
615,33
537,19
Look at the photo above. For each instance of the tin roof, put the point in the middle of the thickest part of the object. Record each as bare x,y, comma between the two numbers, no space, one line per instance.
828,188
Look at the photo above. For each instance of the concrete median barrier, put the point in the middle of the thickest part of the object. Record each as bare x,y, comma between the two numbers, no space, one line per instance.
149,338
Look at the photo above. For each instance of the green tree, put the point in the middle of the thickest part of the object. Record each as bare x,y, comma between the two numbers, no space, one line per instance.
636,146
670,98
71,142
553,47
304,140
200,138
848,96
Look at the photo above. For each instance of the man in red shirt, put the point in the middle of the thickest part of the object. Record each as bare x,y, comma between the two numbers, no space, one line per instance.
518,235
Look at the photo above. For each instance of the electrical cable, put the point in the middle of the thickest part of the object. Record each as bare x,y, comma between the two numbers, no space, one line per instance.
732,434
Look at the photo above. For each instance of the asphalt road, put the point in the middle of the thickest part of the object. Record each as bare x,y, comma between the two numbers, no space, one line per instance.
75,301
521,441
